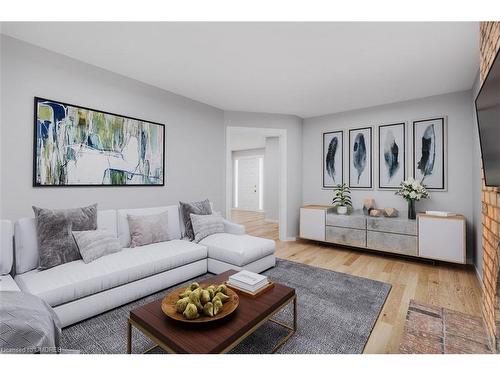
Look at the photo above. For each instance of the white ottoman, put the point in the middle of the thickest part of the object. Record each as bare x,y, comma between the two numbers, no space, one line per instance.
228,251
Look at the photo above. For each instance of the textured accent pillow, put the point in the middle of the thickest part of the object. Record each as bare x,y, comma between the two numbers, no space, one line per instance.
206,225
56,244
197,208
94,244
147,229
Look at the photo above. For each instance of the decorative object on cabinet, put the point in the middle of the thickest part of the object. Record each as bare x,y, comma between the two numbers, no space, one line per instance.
376,212
368,205
390,212
78,146
429,152
360,158
333,159
392,155
429,237
442,237
412,190
342,199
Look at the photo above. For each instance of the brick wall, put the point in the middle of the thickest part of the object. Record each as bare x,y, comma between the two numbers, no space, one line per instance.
489,45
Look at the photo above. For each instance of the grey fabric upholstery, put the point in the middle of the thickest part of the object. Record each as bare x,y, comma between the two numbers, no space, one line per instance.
94,244
206,225
197,208
55,240
147,229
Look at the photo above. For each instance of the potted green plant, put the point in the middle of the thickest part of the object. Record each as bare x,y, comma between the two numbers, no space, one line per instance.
342,199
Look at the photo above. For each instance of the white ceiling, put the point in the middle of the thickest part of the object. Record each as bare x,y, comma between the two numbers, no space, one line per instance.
306,69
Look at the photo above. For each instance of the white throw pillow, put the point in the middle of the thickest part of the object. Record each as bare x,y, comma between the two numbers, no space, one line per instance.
94,244
206,225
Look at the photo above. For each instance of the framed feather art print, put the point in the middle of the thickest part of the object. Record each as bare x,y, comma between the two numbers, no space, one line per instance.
429,152
360,158
391,155
333,159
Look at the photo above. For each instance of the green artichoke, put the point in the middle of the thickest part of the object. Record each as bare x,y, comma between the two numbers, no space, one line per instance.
224,298
194,286
191,312
205,297
194,298
217,306
208,309
186,293
221,288
181,304
216,298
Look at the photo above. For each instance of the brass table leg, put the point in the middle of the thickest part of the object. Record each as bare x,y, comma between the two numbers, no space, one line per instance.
129,337
292,329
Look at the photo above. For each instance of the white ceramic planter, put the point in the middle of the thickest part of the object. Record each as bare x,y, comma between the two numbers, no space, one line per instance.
341,210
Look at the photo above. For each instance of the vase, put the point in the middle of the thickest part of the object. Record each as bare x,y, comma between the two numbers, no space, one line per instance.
412,214
342,210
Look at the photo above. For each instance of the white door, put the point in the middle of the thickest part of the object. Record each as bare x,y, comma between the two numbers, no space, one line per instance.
248,187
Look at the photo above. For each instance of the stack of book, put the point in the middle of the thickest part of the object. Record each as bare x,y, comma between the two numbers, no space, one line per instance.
249,282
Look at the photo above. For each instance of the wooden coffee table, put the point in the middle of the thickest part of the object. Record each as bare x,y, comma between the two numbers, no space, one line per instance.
214,337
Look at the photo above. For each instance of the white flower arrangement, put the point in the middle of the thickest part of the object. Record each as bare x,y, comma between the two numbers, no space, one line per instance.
412,190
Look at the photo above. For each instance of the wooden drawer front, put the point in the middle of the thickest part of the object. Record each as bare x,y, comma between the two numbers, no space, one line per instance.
408,227
346,236
312,224
346,221
392,243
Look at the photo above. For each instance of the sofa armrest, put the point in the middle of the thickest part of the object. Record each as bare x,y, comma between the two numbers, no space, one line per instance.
233,228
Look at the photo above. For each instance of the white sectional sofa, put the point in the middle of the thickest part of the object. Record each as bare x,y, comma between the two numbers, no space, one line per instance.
6,257
78,291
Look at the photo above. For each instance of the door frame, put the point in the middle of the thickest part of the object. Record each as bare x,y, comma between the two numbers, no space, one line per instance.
281,134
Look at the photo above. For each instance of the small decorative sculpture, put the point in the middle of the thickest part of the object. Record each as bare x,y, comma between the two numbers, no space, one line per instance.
368,205
375,212
391,212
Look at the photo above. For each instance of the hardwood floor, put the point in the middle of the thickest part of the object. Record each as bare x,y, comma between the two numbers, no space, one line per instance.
452,286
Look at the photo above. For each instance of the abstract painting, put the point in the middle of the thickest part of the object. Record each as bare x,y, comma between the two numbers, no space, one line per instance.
360,158
391,155
78,146
429,153
333,159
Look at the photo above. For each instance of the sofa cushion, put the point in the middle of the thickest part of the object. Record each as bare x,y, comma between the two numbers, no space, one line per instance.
7,284
26,245
206,225
197,208
6,248
94,244
237,249
74,280
174,231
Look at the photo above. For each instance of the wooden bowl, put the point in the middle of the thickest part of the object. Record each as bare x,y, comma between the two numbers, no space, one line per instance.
168,307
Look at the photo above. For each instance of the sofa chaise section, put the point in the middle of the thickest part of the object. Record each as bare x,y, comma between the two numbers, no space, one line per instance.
6,257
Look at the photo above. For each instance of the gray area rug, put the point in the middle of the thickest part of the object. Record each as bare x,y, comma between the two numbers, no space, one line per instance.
336,314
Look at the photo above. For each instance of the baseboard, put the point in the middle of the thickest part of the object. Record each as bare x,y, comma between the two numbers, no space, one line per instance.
289,239
478,275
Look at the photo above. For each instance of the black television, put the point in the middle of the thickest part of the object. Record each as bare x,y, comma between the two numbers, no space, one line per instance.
488,120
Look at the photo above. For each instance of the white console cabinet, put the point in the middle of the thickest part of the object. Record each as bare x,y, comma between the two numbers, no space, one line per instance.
430,237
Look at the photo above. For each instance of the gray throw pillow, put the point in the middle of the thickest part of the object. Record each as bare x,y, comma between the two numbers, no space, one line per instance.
197,208
147,229
56,244
206,225
94,244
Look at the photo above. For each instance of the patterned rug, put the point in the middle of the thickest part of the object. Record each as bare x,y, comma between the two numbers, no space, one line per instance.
336,314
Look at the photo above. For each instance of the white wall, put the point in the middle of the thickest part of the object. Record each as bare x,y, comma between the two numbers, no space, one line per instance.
458,108
272,178
293,126
195,160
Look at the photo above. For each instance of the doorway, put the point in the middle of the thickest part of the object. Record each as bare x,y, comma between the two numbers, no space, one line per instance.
256,176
